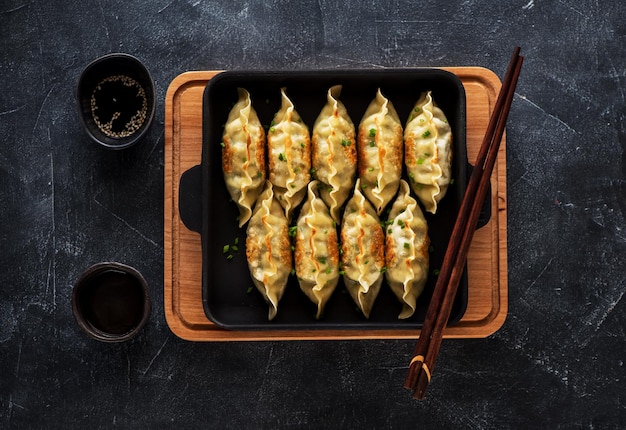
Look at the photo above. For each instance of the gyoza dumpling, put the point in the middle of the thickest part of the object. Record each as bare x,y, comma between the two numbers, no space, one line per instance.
428,152
334,152
289,155
317,250
243,155
268,250
406,250
380,152
363,257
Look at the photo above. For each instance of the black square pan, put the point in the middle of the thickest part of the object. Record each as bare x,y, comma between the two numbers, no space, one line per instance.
229,297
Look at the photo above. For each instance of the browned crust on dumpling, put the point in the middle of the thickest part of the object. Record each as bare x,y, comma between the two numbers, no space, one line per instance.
361,157
260,153
378,246
350,150
333,248
285,246
298,256
409,151
227,156
392,257
394,155
271,163
253,250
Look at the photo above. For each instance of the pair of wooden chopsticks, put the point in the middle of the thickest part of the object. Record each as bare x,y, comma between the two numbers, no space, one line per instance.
429,342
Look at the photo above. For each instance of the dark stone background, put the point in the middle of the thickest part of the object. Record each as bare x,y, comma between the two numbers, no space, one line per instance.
558,361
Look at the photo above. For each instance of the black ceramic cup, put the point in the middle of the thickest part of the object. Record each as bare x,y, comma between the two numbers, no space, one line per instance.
110,302
116,98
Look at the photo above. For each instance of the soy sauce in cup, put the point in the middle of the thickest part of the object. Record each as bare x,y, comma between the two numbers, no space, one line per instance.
119,106
116,100
110,302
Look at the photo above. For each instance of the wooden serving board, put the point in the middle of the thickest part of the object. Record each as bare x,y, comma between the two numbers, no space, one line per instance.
487,260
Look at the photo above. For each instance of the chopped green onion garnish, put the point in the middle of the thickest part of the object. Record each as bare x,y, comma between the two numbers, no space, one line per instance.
372,132
426,133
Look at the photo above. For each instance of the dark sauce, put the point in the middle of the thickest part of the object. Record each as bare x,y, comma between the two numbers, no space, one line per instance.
112,302
119,106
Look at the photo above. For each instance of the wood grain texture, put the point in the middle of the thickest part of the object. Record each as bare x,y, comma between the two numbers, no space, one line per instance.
487,261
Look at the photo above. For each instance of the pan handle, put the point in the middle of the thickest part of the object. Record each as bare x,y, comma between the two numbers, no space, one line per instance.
190,198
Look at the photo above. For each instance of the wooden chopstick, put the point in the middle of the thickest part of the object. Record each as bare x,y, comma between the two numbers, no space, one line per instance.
438,313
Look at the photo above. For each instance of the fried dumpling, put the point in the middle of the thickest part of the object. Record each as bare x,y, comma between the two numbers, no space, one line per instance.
380,152
268,250
406,250
289,155
428,152
243,155
363,257
334,152
316,250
